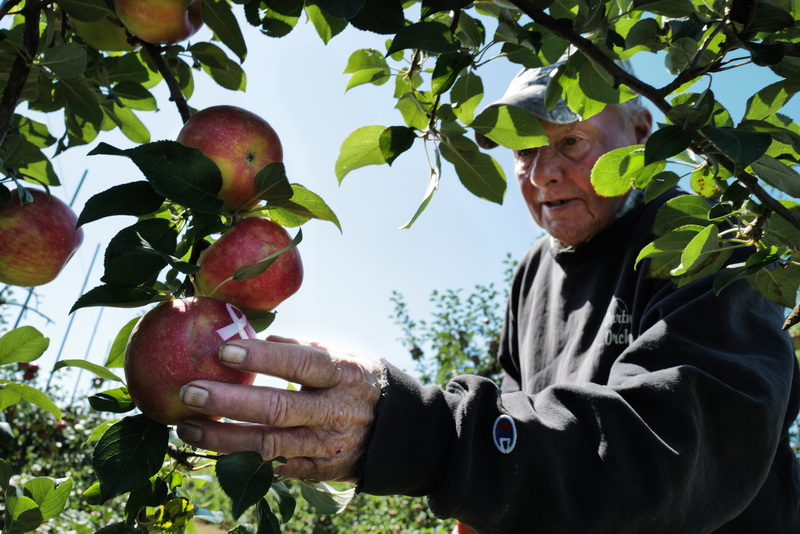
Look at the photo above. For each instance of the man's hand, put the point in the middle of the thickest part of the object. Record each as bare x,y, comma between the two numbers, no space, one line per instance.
321,429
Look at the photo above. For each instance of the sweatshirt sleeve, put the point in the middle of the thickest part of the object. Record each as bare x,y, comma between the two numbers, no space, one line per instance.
680,439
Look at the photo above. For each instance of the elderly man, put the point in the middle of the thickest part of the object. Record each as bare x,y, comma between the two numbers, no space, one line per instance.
628,405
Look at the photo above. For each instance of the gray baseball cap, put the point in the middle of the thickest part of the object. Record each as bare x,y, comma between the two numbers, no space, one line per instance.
527,90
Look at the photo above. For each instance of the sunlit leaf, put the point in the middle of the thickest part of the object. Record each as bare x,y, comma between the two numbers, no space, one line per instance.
22,344
481,174
510,126
359,149
97,370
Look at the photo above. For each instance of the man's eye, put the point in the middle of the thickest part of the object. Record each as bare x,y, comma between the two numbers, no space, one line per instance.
525,152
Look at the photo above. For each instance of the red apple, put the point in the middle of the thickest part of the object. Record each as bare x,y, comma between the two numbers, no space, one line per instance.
36,239
160,21
249,241
461,528
241,144
104,34
176,342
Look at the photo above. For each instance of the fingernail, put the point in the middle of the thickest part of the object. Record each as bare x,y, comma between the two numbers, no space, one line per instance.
232,354
189,433
194,396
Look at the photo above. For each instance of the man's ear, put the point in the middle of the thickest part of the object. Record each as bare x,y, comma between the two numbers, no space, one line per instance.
642,125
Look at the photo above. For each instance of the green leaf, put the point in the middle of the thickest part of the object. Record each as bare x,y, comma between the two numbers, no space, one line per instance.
359,149
80,100
699,248
660,184
666,142
327,26
85,10
326,499
116,355
395,140
665,252
344,9
778,175
139,252
135,96
367,66
478,172
616,171
219,16
779,285
118,296
136,198
668,8
22,515
447,69
770,99
681,211
23,344
268,522
271,183
50,498
741,146
245,477
466,95
285,500
303,205
129,453
27,393
252,270
180,173
433,185
433,37
231,76
209,54
97,370
510,126
5,475
114,400
66,61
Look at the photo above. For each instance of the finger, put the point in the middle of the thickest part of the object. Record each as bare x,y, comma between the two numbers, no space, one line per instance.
269,442
294,362
254,404
307,457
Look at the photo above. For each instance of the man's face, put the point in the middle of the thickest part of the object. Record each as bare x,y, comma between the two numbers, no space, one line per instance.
555,179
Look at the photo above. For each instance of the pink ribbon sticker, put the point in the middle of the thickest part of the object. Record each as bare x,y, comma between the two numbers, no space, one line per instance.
238,326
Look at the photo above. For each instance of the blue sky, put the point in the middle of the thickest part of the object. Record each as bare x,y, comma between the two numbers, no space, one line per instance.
296,83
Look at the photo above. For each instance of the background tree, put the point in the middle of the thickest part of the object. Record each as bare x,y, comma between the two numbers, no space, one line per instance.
434,56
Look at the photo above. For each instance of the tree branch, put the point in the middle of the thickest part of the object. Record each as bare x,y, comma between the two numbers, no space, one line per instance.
7,6
19,70
175,93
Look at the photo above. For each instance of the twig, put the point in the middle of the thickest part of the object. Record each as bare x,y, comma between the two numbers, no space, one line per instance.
175,93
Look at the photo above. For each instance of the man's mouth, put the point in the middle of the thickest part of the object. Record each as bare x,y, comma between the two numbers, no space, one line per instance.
556,203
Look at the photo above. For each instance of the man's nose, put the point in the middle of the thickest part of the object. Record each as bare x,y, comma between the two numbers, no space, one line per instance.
547,169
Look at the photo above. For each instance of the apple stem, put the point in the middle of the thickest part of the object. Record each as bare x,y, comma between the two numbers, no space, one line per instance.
230,279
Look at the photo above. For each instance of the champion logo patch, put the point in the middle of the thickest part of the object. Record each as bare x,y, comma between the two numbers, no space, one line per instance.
504,434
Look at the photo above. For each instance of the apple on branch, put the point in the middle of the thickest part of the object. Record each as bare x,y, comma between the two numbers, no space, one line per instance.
176,342
240,143
249,241
37,238
160,21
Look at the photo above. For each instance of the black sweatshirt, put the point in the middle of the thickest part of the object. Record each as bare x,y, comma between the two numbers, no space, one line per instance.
628,406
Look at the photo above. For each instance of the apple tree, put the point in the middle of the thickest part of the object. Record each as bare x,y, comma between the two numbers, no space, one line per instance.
69,60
